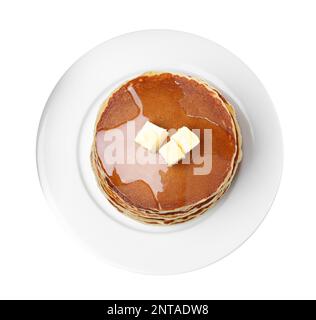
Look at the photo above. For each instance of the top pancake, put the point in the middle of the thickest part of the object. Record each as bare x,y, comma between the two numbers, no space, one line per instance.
170,101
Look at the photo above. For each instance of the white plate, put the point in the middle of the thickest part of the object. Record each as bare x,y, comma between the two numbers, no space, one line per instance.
66,132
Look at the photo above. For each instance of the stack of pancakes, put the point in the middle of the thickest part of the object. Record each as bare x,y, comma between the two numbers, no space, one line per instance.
156,193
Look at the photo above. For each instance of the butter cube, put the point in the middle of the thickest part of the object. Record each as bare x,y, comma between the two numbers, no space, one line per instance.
186,139
171,153
151,136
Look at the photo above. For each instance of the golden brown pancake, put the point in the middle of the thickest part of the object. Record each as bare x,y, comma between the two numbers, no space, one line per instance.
153,192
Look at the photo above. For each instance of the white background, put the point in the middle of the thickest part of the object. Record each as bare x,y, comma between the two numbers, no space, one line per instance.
39,40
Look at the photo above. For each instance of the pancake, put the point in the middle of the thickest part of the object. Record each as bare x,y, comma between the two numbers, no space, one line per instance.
150,191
